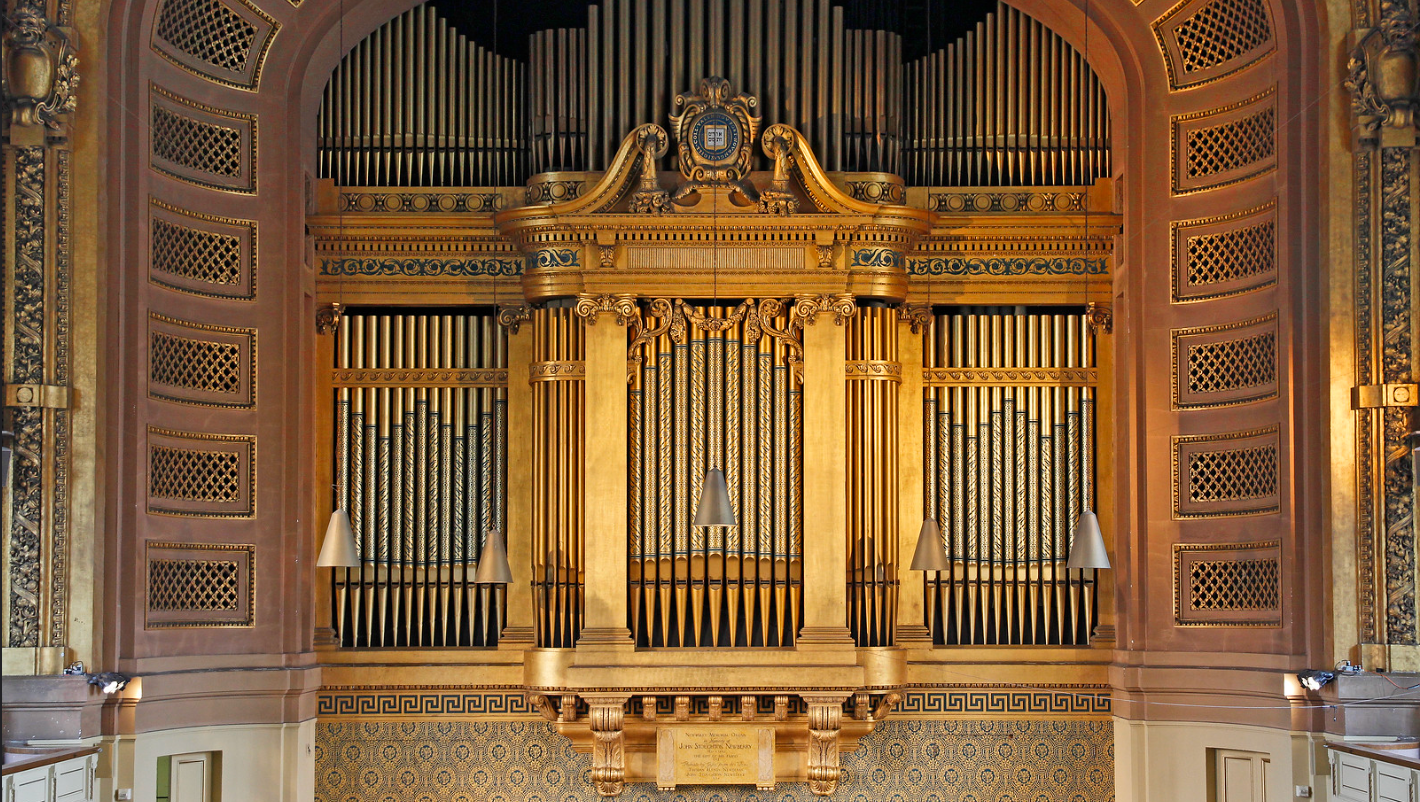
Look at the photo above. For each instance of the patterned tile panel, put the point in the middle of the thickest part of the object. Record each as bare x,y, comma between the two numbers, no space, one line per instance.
515,761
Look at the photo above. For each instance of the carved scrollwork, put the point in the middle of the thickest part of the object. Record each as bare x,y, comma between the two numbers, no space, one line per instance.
623,305
917,316
512,317
328,318
675,317
1100,317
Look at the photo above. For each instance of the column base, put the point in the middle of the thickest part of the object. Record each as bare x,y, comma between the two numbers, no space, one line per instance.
605,636
815,637
515,638
913,636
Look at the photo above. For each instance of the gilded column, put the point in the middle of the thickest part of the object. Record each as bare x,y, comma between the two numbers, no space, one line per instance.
911,420
606,487
825,471
519,630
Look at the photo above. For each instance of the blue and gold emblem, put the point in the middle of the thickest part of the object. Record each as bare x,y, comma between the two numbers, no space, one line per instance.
715,130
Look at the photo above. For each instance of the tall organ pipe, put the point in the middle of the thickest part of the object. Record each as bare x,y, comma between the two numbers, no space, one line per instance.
417,104
1008,104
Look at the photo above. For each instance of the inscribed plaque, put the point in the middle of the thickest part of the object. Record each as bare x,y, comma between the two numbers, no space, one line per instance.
722,754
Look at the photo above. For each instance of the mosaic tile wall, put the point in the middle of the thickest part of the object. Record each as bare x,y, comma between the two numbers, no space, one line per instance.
934,760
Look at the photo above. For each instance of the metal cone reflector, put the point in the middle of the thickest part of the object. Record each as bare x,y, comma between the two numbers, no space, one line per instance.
930,554
1087,547
338,550
493,562
714,508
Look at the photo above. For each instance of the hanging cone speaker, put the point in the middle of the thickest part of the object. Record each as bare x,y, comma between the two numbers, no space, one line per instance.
493,562
1087,547
338,550
930,554
714,508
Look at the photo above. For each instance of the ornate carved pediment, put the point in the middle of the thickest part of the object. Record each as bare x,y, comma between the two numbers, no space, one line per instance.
715,132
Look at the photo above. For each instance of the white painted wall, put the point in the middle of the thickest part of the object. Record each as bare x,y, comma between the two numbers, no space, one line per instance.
1159,761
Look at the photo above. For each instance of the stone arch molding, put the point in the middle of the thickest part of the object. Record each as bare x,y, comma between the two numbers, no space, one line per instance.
269,66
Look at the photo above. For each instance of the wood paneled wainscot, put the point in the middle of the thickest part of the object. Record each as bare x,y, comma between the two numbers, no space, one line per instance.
1375,772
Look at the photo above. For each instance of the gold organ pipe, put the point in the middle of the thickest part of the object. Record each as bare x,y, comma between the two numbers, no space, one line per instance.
1012,467
405,459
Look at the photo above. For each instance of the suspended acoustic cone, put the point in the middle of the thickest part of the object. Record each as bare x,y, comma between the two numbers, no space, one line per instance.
714,508
930,555
493,562
1087,547
338,550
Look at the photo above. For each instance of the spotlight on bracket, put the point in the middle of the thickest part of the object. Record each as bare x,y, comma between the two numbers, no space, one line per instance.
1314,679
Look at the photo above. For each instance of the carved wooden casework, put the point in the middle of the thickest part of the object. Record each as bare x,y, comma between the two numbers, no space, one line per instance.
627,261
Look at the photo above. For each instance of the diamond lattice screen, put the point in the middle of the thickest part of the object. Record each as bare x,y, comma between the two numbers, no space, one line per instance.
191,475
1232,255
1221,31
1234,585
193,585
195,364
1231,145
1233,364
208,31
196,145
1235,475
196,255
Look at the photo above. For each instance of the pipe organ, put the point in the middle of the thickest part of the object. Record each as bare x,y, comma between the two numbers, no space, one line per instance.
420,428
418,103
710,296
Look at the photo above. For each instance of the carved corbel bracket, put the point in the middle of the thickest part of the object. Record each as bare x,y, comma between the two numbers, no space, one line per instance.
41,68
606,714
825,720
807,308
623,305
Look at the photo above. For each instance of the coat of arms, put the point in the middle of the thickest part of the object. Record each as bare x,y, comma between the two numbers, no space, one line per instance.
715,130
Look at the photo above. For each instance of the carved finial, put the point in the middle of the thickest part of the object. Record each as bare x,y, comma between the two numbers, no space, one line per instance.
651,141
328,318
778,144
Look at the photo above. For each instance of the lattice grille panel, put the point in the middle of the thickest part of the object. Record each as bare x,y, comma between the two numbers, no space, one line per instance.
196,145
1234,585
196,255
1231,145
194,585
1233,475
1232,255
1222,31
209,32
191,475
1233,364
195,364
